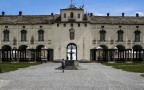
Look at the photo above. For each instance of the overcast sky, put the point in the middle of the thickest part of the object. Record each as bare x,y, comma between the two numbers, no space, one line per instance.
98,7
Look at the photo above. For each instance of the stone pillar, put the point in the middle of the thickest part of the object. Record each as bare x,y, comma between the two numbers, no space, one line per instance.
35,55
143,56
94,51
11,55
113,55
17,55
131,55
109,54
140,55
125,55
0,56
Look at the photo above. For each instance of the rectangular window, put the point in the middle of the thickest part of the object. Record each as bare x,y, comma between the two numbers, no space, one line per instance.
6,37
78,24
23,37
64,15
85,25
78,15
102,36
137,37
41,37
71,15
64,25
71,25
120,37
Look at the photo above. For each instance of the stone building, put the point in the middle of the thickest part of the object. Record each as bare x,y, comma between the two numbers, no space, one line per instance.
71,35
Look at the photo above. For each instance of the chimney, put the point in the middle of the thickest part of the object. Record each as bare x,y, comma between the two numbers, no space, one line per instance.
91,14
88,14
123,15
137,15
3,13
108,14
20,13
52,14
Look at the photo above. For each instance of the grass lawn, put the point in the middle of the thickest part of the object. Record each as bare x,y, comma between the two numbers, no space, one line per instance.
131,67
7,66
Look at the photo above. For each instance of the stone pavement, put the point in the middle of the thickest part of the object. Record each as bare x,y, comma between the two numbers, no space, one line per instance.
96,77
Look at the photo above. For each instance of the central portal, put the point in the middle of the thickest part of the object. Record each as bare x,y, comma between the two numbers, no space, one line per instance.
71,52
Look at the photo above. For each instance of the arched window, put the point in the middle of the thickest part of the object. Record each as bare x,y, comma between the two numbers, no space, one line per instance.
40,35
6,35
102,35
137,36
120,35
71,15
23,35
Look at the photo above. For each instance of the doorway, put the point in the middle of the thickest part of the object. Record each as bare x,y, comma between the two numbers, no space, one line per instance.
71,52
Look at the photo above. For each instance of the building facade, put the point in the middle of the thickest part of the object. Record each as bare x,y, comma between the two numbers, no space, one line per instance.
71,35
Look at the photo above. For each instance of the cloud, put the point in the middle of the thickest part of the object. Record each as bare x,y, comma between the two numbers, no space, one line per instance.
140,13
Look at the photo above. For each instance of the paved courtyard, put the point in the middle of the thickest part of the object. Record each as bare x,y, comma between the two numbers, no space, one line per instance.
96,77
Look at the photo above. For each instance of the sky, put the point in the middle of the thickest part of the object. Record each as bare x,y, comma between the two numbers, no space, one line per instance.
97,7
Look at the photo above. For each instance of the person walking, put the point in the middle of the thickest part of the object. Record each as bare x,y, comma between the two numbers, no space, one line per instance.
63,65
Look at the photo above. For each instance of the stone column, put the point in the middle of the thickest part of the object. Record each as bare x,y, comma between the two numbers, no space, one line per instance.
0,56
114,55
94,51
143,56
109,54
17,55
11,55
131,55
34,55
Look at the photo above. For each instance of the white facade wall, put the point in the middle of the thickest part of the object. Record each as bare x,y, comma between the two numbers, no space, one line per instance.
57,38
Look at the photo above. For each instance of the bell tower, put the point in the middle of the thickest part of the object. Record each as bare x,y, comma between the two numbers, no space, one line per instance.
72,13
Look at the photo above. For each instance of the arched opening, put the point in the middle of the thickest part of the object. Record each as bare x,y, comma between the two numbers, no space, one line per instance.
6,53
39,47
137,53
120,47
42,53
23,53
102,53
120,53
104,47
71,51
39,52
23,47
137,48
